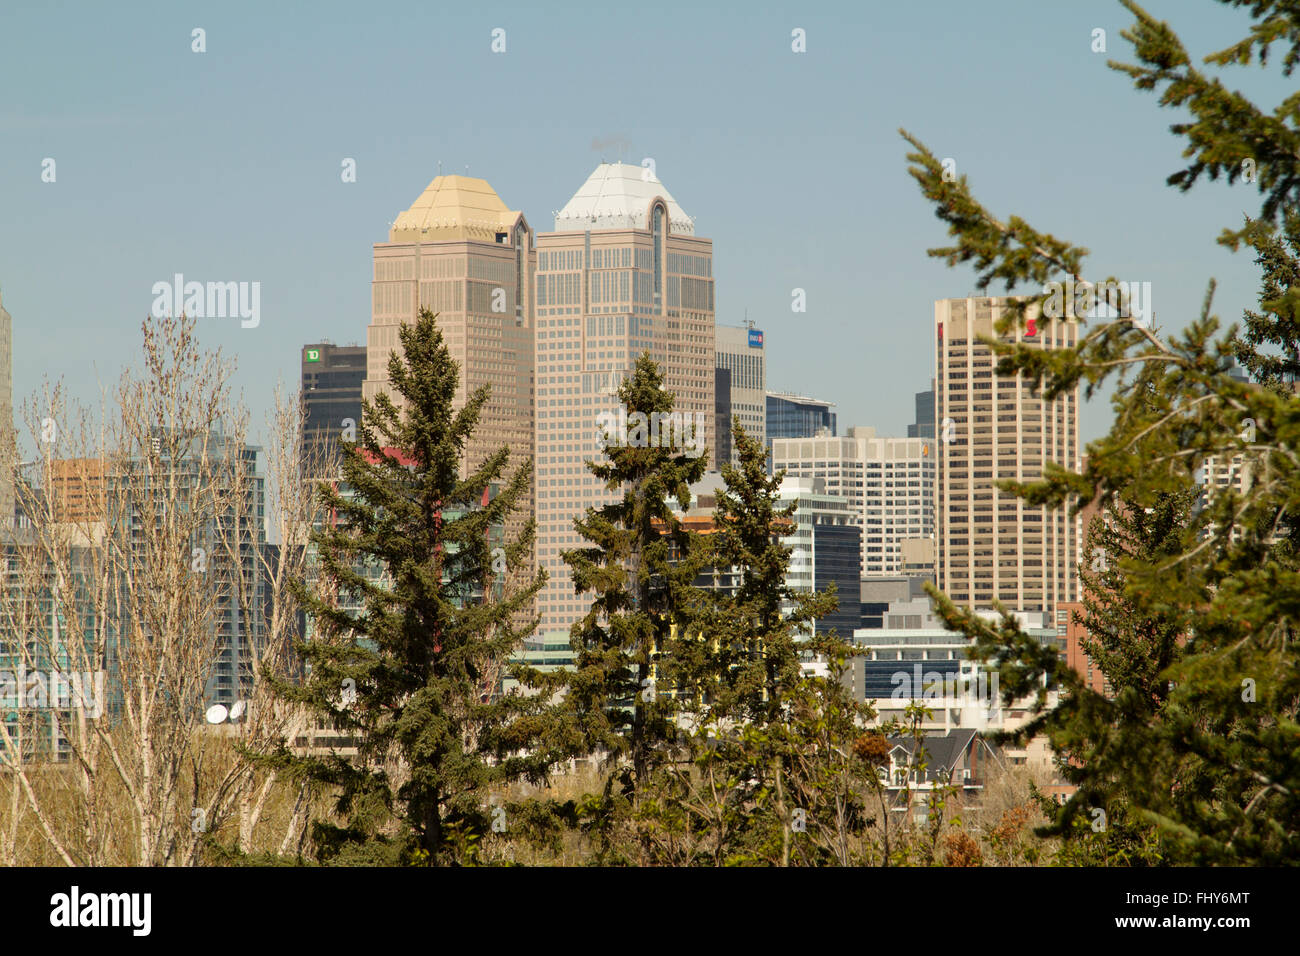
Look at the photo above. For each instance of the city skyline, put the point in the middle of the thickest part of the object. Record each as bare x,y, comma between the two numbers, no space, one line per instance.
868,288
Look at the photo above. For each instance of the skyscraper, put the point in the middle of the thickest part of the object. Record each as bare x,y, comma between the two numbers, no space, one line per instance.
623,273
722,413
332,379
888,482
222,485
991,545
923,427
740,352
460,252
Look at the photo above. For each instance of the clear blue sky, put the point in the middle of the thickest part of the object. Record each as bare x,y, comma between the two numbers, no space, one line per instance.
225,166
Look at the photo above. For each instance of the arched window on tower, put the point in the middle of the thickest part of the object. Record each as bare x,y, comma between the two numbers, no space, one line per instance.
657,231
521,250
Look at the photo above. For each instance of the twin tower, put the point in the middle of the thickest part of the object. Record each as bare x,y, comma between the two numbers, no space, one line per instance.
552,322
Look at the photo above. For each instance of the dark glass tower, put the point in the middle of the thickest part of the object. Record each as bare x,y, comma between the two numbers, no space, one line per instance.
331,391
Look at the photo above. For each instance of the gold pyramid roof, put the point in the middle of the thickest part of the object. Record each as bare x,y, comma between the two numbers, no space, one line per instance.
454,207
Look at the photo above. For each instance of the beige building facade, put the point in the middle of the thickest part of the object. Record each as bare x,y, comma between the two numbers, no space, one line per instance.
740,351
462,253
623,273
990,544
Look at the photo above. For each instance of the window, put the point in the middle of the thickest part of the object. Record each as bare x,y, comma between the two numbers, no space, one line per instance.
658,238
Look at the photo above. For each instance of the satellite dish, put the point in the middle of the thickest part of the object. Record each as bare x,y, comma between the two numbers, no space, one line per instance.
237,710
216,714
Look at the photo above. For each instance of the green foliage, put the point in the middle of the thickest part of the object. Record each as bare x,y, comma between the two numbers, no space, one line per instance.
407,677
752,657
1193,758
640,569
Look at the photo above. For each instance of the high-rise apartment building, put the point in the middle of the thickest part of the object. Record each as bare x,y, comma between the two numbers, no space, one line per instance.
740,352
332,380
888,482
200,468
77,485
622,274
991,545
7,446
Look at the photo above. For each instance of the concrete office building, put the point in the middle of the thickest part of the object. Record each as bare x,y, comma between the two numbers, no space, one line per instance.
889,482
912,657
916,558
622,274
879,593
991,545
740,352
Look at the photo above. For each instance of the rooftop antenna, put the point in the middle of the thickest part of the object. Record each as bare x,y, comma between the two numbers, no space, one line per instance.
440,167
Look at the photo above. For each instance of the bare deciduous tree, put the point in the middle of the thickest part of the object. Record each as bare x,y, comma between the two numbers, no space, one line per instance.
139,591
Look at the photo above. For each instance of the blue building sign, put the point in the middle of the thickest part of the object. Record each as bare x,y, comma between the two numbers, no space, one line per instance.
755,339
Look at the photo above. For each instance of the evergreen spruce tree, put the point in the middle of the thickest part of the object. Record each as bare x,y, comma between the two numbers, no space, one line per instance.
756,631
1277,324
403,676
1132,638
1212,767
640,569
770,774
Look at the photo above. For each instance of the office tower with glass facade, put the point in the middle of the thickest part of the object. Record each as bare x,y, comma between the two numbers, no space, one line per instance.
722,413
622,274
991,545
332,379
825,544
796,416
923,427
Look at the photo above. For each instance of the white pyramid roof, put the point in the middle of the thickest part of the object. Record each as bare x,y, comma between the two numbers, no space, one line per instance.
618,196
